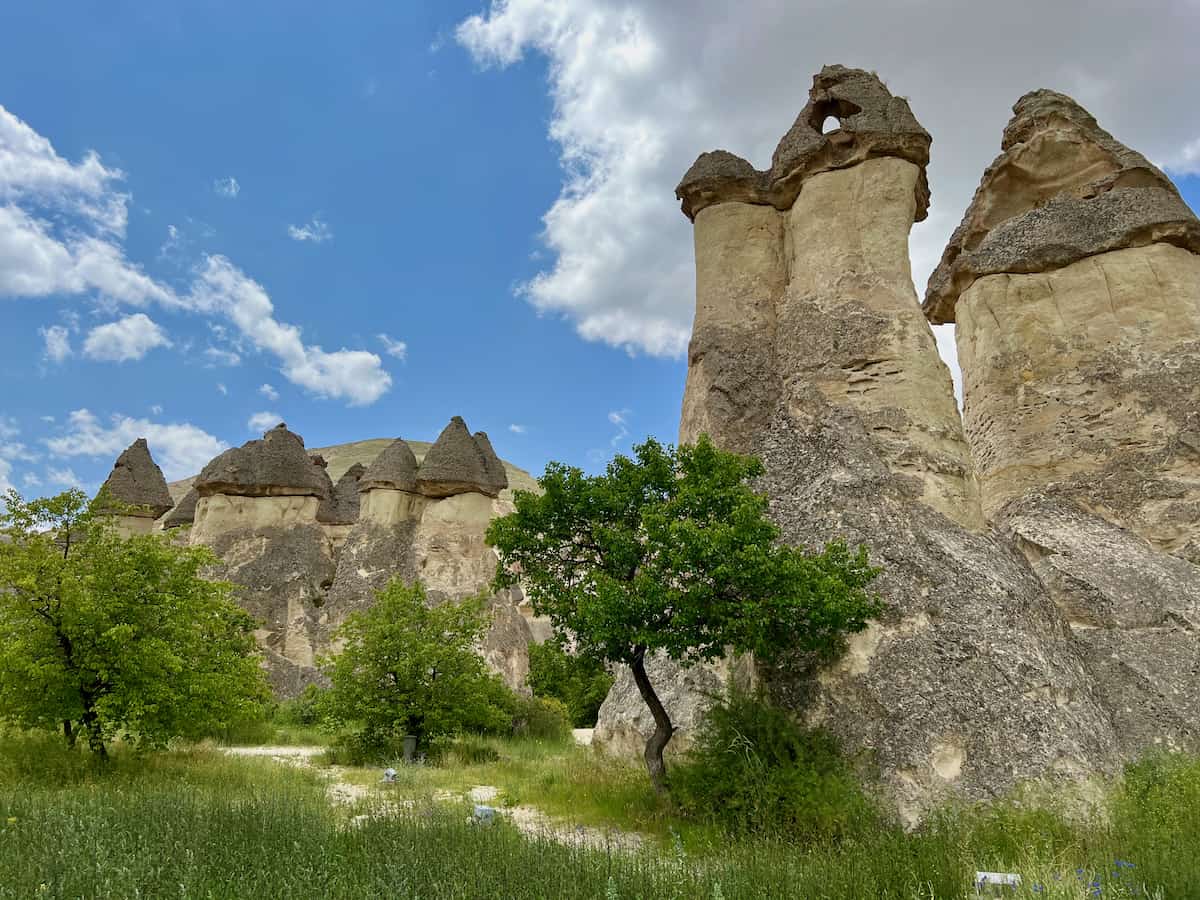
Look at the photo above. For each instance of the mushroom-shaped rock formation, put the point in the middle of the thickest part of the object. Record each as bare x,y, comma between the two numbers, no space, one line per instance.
395,469
811,352
276,466
137,484
455,464
870,123
325,512
497,476
184,512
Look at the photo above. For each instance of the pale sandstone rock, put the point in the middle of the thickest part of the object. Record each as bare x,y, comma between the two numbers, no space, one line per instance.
971,681
1086,379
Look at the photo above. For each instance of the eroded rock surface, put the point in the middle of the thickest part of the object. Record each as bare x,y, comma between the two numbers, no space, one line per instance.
1074,281
137,484
810,350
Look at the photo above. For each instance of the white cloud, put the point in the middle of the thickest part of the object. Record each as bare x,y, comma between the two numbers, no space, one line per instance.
398,349
315,231
517,429
156,410
126,339
11,451
57,343
1186,160
269,392
218,356
356,376
641,88
181,449
263,421
227,187
58,225
64,477
620,418
31,480
222,390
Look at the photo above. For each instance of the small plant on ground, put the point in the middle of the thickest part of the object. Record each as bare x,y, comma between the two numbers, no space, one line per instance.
580,682
113,636
752,769
671,552
410,669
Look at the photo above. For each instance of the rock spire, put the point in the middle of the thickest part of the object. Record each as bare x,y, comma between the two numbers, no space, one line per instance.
137,482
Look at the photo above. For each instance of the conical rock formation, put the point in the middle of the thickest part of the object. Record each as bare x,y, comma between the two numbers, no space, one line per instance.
137,483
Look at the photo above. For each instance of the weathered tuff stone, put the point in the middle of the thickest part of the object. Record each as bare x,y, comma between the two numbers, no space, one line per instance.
809,349
137,483
1062,189
1075,283
1134,609
455,464
275,466
394,469
871,123
343,504
497,478
184,512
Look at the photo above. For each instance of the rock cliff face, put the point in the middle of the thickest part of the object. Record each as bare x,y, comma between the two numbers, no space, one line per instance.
810,350
306,552
1074,281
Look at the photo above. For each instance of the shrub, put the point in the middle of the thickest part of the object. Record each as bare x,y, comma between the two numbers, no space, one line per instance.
307,709
541,717
581,683
753,769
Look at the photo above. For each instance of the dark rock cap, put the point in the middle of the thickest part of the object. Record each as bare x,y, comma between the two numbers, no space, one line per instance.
872,123
137,482
184,512
395,469
325,512
1062,189
275,466
496,473
342,506
455,464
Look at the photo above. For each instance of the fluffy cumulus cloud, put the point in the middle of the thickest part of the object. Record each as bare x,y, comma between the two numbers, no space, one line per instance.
269,392
641,88
227,187
180,449
11,451
62,227
126,339
315,231
263,421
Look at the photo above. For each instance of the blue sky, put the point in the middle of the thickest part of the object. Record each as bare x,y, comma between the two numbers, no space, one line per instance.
369,218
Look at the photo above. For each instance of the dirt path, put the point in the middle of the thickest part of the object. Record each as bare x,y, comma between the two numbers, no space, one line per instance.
529,820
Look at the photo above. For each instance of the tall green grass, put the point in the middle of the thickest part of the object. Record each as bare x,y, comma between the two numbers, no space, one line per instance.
195,823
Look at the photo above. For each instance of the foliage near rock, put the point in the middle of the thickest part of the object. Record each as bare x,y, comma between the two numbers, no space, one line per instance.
580,683
409,669
671,551
752,768
113,636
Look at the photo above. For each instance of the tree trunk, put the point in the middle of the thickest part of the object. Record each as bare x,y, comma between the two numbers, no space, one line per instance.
69,733
91,724
663,729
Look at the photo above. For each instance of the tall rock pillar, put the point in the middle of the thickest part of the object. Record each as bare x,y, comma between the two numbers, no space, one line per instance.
810,351
1074,280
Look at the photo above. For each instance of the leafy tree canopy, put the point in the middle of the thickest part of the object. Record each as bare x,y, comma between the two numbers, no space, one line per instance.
580,682
408,668
119,636
671,551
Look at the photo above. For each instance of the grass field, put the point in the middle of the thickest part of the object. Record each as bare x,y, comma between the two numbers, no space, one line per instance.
197,823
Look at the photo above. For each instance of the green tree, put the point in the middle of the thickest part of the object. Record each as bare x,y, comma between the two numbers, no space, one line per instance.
672,551
580,682
117,636
407,668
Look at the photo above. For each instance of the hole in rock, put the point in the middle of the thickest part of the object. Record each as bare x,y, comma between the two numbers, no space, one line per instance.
831,123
